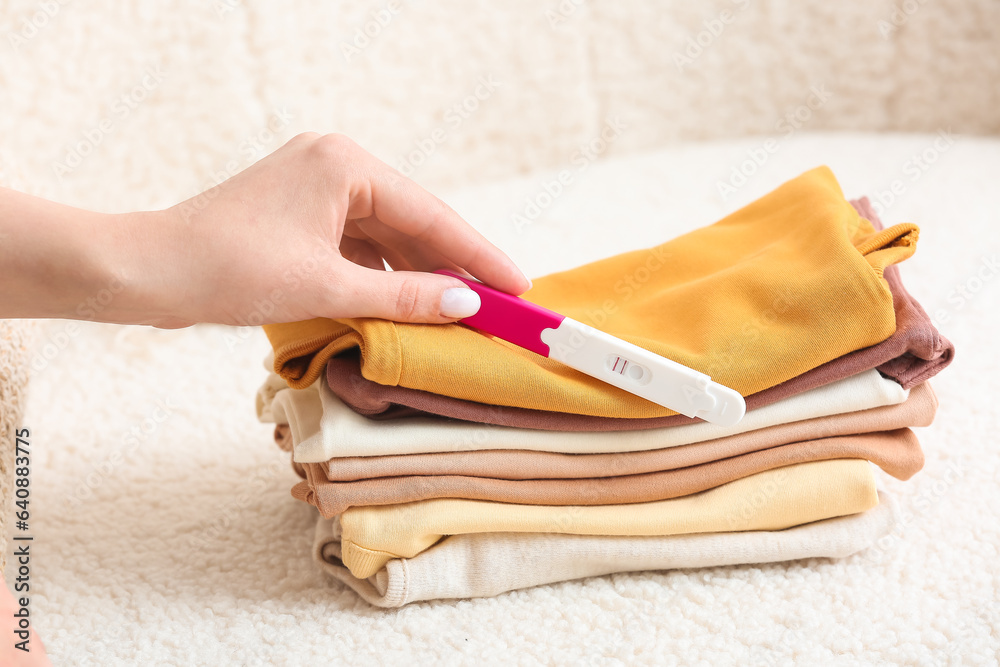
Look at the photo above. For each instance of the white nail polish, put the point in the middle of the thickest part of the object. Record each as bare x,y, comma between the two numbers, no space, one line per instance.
459,302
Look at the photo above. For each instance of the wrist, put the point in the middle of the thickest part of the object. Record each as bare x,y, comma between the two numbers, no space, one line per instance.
142,275
60,261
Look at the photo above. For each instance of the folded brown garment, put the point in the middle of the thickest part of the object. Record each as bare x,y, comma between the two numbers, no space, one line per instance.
922,352
914,353
918,410
283,437
897,452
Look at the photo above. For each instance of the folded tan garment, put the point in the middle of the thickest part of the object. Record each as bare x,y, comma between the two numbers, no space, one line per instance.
917,410
487,564
897,452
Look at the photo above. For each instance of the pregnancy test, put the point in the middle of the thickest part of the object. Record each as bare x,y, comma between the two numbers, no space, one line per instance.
603,356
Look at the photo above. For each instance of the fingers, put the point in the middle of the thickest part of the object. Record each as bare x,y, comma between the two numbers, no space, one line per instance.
406,207
418,257
403,296
380,191
362,253
394,259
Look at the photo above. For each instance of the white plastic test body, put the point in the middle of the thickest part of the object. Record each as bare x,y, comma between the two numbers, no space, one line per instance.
603,356
640,372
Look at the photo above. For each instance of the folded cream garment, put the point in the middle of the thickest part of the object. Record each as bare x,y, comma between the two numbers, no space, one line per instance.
301,409
487,564
343,432
265,396
771,500
523,464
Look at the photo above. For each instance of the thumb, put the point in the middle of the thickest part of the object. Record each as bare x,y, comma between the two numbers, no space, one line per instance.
404,296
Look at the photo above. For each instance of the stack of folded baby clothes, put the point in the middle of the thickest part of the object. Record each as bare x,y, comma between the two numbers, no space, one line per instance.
448,464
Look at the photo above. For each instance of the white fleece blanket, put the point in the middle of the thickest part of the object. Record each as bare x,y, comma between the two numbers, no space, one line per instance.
165,532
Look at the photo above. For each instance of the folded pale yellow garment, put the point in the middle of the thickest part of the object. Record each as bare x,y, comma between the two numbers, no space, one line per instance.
771,500
779,287
485,564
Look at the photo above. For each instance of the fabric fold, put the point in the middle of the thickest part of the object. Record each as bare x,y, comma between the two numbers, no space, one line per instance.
488,564
897,452
342,432
734,300
771,500
447,463
302,411
914,353
917,410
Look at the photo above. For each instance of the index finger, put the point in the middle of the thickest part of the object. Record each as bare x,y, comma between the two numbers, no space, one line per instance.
400,203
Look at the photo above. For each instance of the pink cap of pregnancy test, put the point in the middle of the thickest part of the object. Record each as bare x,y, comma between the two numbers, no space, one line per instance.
509,317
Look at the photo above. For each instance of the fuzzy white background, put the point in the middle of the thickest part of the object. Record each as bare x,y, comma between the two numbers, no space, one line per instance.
176,541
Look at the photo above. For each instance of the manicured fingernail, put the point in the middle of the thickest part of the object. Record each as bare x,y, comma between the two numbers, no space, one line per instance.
459,302
526,278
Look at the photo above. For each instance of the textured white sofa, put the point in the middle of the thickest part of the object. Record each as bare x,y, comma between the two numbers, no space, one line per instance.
185,84
188,549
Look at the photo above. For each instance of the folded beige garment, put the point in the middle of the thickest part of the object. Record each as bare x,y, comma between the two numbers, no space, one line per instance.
917,410
487,564
896,452
771,500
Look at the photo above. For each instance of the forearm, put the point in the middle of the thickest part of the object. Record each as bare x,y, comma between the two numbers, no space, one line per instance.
60,261
305,232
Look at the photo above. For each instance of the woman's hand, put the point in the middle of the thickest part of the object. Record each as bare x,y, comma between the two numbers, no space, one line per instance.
302,233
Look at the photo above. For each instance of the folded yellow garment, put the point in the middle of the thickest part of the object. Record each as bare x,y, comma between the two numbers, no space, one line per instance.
771,500
779,287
